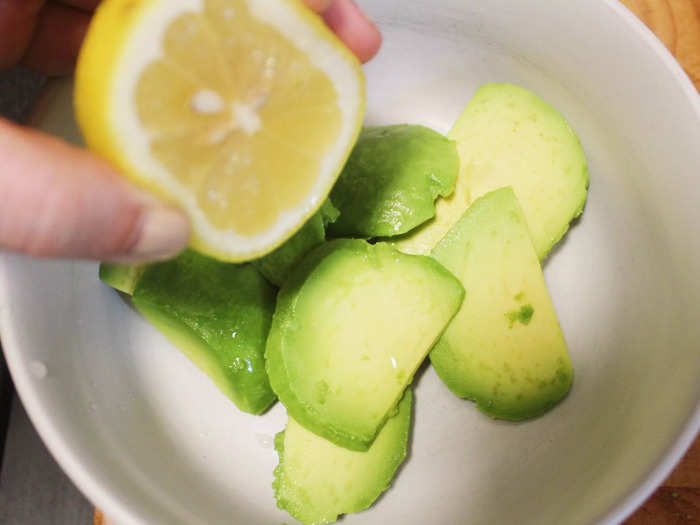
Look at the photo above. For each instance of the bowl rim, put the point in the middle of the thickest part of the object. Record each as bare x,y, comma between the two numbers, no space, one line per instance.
644,488
87,479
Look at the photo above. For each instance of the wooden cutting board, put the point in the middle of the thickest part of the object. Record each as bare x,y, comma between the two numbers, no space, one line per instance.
677,24
677,501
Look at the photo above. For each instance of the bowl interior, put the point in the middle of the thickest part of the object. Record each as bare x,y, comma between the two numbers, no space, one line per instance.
151,440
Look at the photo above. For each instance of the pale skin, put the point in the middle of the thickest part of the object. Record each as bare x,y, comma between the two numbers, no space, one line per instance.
61,201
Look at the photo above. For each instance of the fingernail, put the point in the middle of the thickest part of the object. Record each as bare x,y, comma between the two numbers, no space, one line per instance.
164,233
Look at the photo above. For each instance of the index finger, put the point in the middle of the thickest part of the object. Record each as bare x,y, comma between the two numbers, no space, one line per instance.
350,24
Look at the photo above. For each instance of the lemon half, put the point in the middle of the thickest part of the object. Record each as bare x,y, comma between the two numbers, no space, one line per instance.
242,112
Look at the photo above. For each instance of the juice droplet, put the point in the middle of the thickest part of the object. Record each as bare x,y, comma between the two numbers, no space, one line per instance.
265,440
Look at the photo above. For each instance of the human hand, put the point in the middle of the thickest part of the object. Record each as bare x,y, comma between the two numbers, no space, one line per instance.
61,201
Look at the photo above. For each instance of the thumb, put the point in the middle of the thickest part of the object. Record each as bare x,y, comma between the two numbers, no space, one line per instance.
60,201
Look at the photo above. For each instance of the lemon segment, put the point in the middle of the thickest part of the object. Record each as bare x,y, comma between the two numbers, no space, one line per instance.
242,112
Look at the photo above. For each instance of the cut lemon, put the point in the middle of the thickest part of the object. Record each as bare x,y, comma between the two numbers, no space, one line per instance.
242,112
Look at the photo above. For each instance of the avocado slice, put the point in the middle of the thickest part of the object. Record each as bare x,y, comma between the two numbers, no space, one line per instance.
275,266
505,348
121,277
352,324
391,180
218,314
508,136
315,480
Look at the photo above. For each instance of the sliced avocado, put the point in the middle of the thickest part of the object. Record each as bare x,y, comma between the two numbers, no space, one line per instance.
352,324
121,277
275,266
218,314
508,136
316,480
391,180
505,348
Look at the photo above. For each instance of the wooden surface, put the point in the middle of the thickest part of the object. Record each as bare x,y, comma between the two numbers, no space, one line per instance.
677,24
677,501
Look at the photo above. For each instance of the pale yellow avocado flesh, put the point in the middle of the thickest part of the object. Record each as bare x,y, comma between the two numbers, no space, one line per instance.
504,349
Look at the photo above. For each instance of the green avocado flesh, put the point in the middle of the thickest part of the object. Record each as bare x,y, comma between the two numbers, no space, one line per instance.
275,266
316,480
121,277
508,136
504,349
218,314
352,324
391,180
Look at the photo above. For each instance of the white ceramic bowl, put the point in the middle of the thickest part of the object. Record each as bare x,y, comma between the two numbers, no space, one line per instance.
150,440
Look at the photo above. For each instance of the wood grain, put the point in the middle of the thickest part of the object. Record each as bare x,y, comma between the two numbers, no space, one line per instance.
677,24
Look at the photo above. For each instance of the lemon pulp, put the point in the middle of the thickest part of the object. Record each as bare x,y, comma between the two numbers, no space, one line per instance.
227,103
240,111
